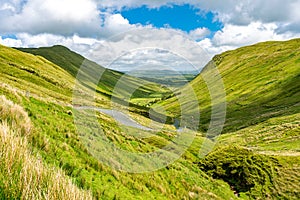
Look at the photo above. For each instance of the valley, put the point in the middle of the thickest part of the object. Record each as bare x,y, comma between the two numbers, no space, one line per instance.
80,127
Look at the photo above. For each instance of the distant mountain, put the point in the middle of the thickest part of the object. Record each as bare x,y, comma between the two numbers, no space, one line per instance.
157,72
165,77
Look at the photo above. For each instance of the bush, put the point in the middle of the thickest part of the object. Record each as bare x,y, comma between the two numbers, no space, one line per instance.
245,171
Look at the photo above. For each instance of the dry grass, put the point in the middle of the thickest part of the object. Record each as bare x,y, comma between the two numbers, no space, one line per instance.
15,115
23,175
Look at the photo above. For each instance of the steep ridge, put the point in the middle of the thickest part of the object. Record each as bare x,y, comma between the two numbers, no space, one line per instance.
261,81
132,87
35,76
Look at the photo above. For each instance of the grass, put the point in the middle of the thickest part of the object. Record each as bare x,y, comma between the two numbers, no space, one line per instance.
130,87
278,135
55,139
60,145
262,85
262,127
22,174
34,76
253,175
261,81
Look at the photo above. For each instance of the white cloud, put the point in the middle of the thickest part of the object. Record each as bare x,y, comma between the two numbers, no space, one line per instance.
234,36
114,24
285,14
11,5
64,17
242,35
94,29
140,47
10,42
199,33
86,41
7,7
151,59
116,20
211,49
61,17
76,43
245,22
83,16
116,4
40,40
141,39
235,12
294,23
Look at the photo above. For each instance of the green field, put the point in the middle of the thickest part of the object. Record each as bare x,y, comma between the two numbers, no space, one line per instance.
169,78
256,157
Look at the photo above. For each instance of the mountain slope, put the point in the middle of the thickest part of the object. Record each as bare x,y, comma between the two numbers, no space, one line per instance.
36,76
44,90
261,81
265,172
70,61
26,177
262,85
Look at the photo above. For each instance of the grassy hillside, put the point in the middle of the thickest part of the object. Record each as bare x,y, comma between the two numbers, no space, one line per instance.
257,158
261,81
22,174
262,85
70,61
44,90
26,74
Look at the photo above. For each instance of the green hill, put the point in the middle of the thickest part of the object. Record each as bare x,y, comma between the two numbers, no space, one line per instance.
71,62
262,86
23,73
257,157
261,81
44,90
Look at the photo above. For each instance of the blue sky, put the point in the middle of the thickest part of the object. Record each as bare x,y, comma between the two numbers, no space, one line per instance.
182,17
12,36
102,30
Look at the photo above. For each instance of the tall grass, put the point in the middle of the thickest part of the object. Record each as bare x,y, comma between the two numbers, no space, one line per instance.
23,175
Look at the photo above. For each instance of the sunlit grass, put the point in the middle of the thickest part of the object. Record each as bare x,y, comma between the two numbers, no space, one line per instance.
22,174
262,86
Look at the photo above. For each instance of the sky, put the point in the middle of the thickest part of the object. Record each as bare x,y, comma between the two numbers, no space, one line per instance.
129,33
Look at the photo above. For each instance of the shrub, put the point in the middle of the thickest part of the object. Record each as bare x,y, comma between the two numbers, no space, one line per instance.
241,168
